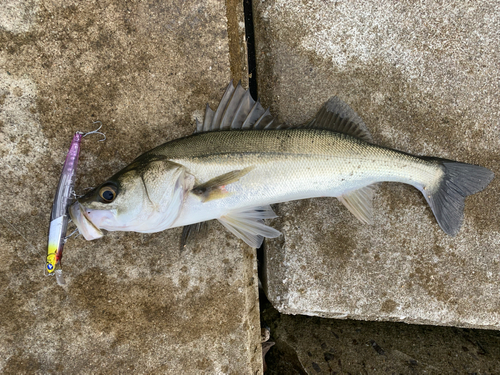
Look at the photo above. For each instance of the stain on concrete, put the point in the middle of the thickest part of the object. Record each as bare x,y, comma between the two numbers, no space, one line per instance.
237,42
388,306
126,309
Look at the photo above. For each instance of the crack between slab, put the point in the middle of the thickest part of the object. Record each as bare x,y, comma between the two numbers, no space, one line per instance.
250,43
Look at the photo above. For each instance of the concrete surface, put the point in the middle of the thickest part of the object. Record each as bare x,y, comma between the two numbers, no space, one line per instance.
132,303
312,345
424,77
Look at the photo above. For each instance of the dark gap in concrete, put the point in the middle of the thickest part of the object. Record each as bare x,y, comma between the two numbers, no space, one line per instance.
282,358
252,65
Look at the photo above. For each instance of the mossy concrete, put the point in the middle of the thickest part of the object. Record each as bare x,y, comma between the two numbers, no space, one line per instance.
424,77
133,302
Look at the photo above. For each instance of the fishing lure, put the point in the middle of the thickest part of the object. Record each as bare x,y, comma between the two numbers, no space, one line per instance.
59,217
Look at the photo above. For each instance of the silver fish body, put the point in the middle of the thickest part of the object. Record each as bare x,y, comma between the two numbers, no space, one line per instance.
240,163
288,165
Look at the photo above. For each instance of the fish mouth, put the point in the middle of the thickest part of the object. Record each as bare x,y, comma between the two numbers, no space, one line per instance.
85,226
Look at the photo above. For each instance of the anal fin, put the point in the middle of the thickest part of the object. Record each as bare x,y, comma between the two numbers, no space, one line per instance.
248,224
360,203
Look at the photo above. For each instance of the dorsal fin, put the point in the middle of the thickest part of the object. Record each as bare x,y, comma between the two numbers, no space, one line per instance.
232,107
243,110
253,116
224,102
238,110
207,122
265,121
199,126
336,115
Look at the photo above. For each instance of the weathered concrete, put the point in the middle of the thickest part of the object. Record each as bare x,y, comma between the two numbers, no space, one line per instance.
132,303
424,77
312,345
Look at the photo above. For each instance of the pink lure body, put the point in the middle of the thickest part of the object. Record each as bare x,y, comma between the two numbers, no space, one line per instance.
59,217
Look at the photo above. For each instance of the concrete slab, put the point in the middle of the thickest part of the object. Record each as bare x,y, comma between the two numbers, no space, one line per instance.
132,303
425,80
312,345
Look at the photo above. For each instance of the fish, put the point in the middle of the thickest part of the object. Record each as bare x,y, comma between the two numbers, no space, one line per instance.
239,162
59,216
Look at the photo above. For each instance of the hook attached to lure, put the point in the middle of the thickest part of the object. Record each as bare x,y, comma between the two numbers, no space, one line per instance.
59,217
97,131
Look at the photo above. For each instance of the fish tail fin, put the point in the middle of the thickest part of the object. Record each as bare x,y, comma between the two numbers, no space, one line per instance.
447,199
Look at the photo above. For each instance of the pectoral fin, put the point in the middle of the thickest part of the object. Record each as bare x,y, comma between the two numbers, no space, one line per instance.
248,225
215,188
360,203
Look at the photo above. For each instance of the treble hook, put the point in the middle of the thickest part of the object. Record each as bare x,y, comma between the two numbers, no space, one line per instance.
96,131
72,233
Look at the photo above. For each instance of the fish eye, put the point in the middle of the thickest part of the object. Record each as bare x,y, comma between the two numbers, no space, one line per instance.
108,193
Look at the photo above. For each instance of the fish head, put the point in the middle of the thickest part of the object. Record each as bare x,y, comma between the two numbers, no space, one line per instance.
147,196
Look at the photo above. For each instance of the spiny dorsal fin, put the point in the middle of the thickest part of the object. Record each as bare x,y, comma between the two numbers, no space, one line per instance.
246,105
265,121
199,126
336,115
254,115
207,122
360,203
222,106
248,225
232,107
236,110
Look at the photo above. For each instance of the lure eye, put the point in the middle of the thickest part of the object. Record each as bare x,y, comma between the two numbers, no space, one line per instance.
108,193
